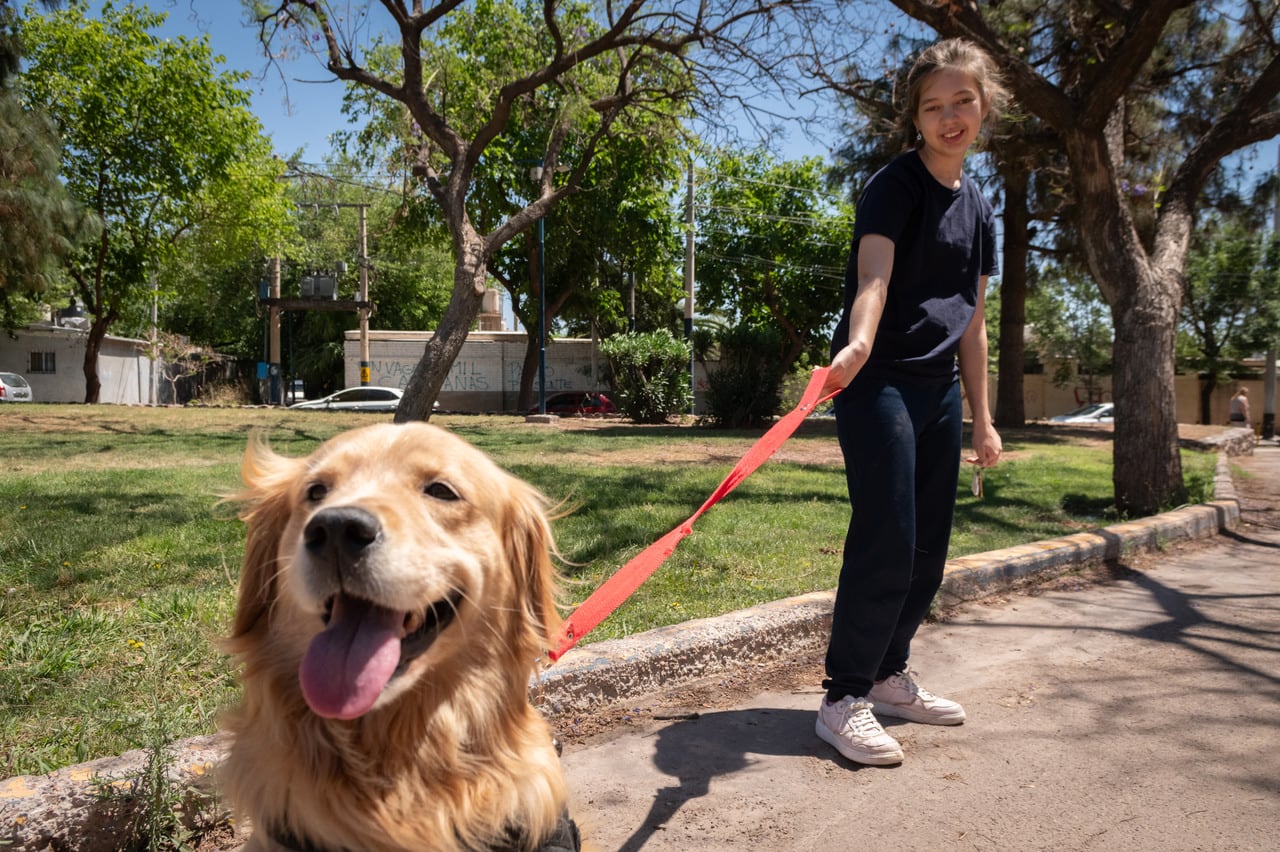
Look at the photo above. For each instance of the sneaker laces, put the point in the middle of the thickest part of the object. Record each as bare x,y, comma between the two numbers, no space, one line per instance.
859,718
906,679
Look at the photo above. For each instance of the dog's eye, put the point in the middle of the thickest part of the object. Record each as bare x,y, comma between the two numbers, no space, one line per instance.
440,491
316,492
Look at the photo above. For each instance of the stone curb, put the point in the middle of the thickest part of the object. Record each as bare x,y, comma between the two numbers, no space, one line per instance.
603,672
89,807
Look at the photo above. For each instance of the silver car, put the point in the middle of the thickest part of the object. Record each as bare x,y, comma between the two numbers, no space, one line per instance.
364,398
14,388
1099,412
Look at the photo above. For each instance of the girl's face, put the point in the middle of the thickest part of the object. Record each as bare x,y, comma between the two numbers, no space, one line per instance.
950,113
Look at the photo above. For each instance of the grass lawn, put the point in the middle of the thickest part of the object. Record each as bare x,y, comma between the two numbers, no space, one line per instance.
118,566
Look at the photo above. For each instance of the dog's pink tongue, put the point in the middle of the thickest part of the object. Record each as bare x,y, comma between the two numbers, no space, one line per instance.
347,666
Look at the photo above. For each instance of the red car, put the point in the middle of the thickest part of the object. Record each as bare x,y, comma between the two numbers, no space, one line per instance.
578,403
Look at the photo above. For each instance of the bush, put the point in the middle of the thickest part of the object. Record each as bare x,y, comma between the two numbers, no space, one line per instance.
747,388
650,374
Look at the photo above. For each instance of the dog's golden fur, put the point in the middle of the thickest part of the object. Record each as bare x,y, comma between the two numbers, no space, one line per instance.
450,755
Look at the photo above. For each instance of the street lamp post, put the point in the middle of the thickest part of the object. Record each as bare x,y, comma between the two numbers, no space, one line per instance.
536,173
542,315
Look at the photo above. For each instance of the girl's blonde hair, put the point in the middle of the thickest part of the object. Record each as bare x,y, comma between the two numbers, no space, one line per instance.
955,54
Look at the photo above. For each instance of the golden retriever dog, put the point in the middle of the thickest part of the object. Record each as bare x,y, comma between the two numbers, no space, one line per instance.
396,595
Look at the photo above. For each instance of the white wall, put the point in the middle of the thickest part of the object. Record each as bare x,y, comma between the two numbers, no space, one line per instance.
123,366
486,374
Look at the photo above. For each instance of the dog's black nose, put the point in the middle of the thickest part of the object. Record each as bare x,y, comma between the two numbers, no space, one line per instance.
341,531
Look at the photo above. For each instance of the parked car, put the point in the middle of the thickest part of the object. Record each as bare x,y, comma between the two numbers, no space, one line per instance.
14,388
1098,412
578,403
295,392
364,398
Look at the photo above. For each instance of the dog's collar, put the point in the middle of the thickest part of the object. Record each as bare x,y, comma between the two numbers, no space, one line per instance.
564,839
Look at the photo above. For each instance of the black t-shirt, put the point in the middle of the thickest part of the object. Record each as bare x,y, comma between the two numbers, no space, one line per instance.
944,241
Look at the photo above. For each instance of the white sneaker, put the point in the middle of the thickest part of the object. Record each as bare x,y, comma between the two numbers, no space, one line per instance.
849,726
901,697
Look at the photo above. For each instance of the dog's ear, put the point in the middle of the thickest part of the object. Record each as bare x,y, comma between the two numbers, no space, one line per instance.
266,500
529,546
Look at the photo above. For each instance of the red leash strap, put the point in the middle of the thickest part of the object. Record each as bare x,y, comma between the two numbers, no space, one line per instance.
612,592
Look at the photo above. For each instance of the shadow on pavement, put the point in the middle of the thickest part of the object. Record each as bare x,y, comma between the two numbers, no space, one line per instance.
720,744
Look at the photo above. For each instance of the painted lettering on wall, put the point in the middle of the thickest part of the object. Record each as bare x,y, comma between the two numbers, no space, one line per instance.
467,375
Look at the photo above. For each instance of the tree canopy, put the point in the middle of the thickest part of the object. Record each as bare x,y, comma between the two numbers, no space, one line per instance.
40,222
772,245
155,139
595,69
1231,307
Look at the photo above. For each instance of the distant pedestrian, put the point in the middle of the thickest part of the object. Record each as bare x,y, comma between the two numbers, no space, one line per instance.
1240,408
924,244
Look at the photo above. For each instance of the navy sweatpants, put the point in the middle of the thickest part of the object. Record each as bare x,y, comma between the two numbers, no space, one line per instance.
901,445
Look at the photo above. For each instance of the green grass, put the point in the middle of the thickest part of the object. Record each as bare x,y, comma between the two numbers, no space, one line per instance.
118,566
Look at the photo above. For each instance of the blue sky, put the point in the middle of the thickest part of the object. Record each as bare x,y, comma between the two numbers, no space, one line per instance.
299,103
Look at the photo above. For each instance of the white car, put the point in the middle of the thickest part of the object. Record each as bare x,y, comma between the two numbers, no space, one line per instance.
14,388
364,398
1098,412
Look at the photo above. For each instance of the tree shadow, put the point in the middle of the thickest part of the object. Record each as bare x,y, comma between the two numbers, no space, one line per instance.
698,750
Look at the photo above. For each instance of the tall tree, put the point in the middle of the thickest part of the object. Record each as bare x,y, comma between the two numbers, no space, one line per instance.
1231,309
39,220
600,65
152,132
1219,88
772,246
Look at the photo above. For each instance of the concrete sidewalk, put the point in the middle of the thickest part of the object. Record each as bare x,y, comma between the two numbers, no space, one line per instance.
1137,714
65,807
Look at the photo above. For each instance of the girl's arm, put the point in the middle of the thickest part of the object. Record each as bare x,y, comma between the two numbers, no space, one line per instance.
875,263
973,375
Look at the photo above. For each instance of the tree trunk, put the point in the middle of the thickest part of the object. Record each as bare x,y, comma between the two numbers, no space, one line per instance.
1148,466
528,371
1207,387
92,348
1144,301
469,277
1011,409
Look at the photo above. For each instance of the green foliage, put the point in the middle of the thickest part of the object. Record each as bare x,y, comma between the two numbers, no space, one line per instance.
1072,324
155,141
746,387
40,223
772,247
621,224
1231,301
650,374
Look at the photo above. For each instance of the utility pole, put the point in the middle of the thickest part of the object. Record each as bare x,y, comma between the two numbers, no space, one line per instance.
273,358
1269,373
688,291
366,367
631,301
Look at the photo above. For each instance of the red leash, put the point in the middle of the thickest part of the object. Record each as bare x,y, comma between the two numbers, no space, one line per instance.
612,592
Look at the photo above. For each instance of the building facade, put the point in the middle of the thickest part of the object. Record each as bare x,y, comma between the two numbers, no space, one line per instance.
51,358
486,374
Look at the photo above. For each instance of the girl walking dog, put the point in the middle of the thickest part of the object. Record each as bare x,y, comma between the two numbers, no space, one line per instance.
913,329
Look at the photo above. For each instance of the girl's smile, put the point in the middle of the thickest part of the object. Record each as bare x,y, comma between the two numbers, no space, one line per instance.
949,118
